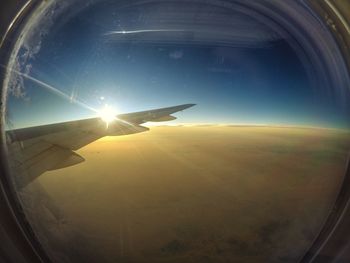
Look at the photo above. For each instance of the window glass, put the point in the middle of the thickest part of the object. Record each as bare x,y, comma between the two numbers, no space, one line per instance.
247,172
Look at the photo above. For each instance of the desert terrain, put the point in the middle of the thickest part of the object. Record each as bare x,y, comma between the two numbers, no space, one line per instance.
201,193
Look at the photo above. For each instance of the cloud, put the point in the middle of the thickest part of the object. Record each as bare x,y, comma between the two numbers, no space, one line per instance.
177,54
29,44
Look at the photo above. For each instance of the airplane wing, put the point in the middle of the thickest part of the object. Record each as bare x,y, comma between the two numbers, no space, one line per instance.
163,114
34,150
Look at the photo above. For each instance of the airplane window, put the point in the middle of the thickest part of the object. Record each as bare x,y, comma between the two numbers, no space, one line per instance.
176,131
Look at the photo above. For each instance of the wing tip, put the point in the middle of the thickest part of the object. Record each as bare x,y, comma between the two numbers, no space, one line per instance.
188,105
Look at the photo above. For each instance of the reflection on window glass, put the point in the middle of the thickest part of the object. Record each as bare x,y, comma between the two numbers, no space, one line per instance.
176,132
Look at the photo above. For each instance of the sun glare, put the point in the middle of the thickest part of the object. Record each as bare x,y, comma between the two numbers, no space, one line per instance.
107,114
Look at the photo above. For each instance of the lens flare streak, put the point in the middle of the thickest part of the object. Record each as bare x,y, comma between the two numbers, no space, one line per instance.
54,90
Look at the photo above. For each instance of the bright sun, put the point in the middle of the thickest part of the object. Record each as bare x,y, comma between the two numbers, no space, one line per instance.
107,114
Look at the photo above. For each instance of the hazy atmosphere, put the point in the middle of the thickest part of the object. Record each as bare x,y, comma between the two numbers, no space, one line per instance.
197,194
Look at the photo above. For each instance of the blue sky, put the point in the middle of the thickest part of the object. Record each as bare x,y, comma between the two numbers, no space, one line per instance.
229,84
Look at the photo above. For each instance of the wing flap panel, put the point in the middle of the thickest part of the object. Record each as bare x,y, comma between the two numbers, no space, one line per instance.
165,118
53,157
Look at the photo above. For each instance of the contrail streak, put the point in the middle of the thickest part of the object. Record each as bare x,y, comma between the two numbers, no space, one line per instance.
122,32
